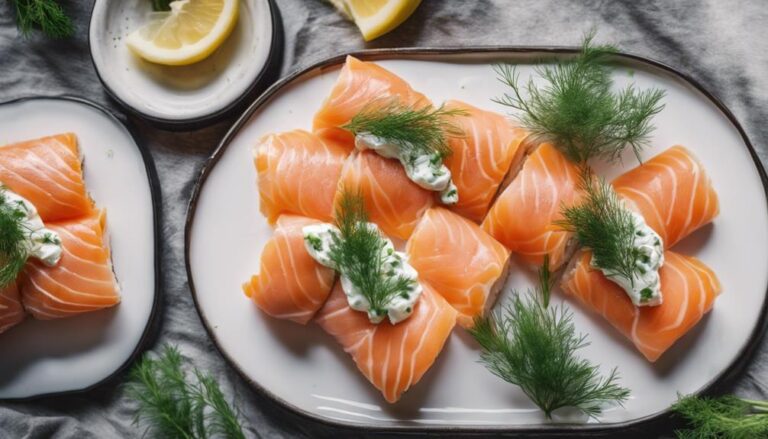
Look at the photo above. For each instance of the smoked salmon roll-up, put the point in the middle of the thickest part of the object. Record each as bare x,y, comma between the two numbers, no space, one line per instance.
689,288
290,284
524,215
297,174
11,310
392,357
47,172
672,192
460,261
489,148
393,201
82,281
360,85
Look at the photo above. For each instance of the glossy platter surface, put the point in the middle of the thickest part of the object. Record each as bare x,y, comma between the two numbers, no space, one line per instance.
46,357
304,369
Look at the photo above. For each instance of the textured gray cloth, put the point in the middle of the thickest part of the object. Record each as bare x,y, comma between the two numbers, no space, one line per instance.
721,43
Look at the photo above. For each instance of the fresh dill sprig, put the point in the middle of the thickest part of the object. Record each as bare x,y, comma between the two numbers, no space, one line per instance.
728,417
359,251
174,407
601,223
47,15
534,347
545,281
14,251
578,111
418,131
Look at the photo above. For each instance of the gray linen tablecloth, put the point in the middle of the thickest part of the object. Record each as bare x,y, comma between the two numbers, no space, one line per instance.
721,43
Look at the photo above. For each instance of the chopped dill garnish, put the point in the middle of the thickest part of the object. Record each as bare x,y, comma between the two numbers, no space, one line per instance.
602,224
358,253
576,109
13,236
47,15
534,347
175,407
417,131
722,417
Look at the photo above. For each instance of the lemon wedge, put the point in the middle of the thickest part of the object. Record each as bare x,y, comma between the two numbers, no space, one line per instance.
186,34
374,18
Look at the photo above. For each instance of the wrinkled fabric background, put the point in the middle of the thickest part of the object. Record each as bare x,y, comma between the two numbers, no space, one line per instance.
721,43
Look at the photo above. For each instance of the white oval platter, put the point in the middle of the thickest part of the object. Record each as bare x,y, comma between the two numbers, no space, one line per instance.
304,369
50,357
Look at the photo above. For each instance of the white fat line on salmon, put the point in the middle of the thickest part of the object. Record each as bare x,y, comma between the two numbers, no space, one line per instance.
321,241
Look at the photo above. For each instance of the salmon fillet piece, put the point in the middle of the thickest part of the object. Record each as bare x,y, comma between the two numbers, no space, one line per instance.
11,310
297,174
689,288
48,173
490,148
392,357
83,279
360,84
523,216
672,192
290,284
459,260
393,201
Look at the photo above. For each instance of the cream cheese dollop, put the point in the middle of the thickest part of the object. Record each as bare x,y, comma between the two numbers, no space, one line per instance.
42,243
645,286
426,170
319,239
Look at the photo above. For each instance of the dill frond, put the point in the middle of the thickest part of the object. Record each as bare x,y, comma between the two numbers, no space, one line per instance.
534,347
173,406
601,223
47,15
13,234
576,109
722,417
545,281
359,251
417,131
161,5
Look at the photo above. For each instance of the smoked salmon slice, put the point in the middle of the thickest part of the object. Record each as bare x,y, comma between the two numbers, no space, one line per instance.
393,201
11,311
672,192
459,260
48,173
82,281
297,174
689,288
523,216
392,357
490,147
361,84
290,284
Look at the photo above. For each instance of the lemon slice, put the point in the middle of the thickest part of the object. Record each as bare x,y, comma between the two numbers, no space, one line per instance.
186,34
374,18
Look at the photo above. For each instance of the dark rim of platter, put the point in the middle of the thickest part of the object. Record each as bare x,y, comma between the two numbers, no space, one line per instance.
266,76
154,188
537,430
